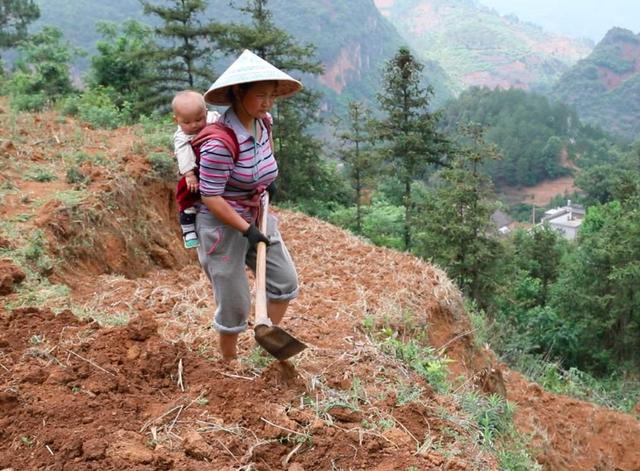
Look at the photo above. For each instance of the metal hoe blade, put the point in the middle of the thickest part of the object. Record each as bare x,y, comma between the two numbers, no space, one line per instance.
277,341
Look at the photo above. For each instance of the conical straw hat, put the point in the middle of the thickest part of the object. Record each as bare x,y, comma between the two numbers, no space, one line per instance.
250,68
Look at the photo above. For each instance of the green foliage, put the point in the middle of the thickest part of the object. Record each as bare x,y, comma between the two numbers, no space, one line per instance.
454,228
617,180
42,71
15,17
40,174
408,128
604,86
602,275
124,65
76,176
357,154
36,253
96,106
163,165
184,51
405,341
529,132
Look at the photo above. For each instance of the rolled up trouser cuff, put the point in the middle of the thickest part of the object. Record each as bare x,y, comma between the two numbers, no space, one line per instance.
229,330
283,297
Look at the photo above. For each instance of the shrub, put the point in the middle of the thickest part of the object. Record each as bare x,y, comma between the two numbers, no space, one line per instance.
163,165
96,107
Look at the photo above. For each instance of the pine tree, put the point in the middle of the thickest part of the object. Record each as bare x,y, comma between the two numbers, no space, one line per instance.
414,143
454,221
184,50
303,173
356,153
15,17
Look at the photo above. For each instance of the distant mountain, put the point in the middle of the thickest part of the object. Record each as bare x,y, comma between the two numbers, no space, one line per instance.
574,18
477,46
353,39
605,87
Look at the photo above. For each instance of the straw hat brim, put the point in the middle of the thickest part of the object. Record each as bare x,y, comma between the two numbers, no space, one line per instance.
250,68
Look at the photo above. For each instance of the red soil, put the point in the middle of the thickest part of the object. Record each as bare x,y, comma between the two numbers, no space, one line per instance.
153,394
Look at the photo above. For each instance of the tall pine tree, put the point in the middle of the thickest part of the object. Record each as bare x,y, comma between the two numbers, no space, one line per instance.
410,128
185,47
303,173
356,153
455,219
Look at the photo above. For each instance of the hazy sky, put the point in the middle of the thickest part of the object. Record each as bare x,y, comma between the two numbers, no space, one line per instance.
575,18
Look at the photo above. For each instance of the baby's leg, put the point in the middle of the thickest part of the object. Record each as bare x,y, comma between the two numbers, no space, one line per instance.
188,226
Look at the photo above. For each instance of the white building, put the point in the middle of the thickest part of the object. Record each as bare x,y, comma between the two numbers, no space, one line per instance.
566,220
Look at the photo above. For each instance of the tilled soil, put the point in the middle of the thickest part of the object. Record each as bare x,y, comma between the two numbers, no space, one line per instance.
153,394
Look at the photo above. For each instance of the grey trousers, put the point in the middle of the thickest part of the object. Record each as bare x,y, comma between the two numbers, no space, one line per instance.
223,254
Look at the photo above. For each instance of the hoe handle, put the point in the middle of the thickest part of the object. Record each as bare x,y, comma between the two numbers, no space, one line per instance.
261,266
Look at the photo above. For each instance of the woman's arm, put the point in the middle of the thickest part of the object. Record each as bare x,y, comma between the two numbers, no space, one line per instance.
225,213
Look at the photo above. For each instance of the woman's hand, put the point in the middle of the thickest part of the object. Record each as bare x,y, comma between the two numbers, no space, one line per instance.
254,236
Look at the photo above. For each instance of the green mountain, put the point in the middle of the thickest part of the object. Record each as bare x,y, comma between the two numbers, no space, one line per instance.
605,87
478,47
353,39
538,139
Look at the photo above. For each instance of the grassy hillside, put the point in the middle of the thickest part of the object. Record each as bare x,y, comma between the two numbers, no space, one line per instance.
353,40
605,86
476,46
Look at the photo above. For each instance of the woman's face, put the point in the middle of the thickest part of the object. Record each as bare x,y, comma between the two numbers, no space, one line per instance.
258,99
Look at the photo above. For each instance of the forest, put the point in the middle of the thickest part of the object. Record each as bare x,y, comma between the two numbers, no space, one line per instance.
400,174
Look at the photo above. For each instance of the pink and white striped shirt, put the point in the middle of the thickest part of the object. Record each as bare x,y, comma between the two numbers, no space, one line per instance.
236,181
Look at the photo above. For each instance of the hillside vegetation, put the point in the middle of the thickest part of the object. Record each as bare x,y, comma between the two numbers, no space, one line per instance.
352,38
476,46
531,133
605,86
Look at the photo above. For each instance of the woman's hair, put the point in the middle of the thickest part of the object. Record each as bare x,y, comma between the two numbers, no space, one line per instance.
244,87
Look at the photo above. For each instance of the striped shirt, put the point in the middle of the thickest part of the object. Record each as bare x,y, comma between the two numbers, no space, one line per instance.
234,181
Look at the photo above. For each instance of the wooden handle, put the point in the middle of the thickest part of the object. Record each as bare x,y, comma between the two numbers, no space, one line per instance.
261,267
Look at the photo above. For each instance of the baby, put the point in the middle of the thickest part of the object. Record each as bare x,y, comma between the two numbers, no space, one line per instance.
191,115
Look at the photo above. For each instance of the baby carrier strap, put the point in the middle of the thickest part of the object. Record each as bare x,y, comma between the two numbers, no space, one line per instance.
219,132
224,134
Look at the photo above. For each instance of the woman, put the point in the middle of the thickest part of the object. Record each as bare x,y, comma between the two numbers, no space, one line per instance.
231,186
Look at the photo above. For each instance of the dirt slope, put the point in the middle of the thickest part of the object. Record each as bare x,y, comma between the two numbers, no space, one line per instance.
152,394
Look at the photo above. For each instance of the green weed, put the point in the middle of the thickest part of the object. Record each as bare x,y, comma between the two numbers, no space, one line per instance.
163,165
40,175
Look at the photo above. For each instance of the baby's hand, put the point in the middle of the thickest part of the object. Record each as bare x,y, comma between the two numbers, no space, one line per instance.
192,182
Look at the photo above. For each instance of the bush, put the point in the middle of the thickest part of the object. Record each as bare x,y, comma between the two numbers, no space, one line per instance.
96,107
42,71
163,165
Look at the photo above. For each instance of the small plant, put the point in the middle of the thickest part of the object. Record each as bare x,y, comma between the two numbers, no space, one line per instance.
36,252
163,165
424,360
36,339
258,359
203,401
407,393
76,176
40,175
27,440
